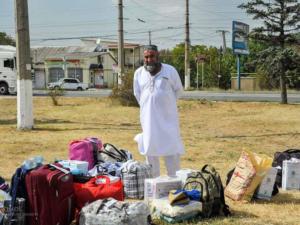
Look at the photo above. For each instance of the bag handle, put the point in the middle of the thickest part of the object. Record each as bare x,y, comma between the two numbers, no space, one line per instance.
112,155
121,153
292,150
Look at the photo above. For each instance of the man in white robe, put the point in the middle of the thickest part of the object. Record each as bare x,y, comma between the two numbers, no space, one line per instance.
156,88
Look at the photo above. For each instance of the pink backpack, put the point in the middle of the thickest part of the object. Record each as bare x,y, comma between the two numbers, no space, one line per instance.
85,150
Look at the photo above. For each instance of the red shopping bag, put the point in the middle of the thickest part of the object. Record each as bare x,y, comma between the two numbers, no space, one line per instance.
99,187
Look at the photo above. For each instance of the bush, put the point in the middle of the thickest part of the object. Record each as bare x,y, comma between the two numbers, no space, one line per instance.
124,93
55,94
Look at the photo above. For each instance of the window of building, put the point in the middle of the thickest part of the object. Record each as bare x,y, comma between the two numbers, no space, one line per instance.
75,73
55,74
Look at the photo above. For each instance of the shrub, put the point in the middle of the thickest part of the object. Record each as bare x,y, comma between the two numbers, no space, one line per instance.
55,94
124,93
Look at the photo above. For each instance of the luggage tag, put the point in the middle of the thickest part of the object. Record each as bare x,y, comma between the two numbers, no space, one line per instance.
101,180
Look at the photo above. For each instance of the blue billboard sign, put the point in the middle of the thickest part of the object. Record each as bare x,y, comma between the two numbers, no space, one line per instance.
240,40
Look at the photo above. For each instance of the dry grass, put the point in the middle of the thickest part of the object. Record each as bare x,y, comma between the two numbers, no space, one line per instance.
213,132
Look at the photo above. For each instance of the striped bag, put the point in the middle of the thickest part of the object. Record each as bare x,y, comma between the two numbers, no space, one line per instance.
133,174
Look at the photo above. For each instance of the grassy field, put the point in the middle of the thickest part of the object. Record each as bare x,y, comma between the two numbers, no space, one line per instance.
213,132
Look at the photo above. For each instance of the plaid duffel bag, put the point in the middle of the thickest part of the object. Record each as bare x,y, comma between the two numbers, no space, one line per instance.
133,174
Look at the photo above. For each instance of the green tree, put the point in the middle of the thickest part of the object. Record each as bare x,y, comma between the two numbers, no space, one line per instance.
215,64
280,22
6,40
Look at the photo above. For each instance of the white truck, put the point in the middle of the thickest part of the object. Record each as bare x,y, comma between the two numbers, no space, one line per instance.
8,70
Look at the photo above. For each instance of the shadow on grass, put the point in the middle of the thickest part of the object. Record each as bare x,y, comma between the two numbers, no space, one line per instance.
84,128
255,136
280,198
39,123
218,220
8,122
14,121
45,121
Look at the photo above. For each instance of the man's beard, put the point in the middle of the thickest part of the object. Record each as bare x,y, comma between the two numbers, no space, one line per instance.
151,67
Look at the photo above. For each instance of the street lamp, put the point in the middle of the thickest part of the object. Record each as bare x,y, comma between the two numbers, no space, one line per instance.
149,32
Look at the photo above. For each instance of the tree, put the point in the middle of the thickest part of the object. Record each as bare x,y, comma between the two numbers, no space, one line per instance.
6,40
280,23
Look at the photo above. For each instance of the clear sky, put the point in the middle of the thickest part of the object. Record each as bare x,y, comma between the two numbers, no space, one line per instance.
164,18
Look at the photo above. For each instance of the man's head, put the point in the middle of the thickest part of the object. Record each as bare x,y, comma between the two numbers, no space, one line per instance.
151,61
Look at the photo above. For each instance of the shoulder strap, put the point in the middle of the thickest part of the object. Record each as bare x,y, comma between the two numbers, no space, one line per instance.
292,151
219,184
95,151
211,170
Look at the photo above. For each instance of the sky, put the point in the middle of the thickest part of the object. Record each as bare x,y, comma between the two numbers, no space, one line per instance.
99,18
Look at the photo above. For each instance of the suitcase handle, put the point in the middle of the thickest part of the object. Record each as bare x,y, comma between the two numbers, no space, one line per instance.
60,168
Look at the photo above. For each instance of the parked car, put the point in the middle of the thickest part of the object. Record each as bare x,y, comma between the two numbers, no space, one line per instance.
68,84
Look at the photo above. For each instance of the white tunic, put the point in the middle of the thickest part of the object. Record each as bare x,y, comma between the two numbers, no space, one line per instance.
157,97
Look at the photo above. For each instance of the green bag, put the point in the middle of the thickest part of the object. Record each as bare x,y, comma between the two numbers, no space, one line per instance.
209,183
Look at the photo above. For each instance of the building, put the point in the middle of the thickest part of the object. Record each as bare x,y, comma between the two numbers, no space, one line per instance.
133,52
89,64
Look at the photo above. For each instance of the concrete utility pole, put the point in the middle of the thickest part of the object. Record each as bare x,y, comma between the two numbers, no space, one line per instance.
24,79
187,69
120,44
223,32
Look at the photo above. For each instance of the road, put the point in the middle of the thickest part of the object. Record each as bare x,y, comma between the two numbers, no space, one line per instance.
210,96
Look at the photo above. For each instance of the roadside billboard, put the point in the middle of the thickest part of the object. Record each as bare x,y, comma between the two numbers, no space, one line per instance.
240,40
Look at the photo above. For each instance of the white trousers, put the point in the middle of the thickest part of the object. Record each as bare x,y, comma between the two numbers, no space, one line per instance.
172,163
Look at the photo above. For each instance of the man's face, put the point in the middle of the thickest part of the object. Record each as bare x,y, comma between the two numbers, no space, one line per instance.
150,60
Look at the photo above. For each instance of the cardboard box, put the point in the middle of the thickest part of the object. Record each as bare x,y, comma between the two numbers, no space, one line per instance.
291,175
75,166
183,174
265,189
159,187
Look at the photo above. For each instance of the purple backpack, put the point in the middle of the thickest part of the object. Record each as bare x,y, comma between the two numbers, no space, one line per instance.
85,150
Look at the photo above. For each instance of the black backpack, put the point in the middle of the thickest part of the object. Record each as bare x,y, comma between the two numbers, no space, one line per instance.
279,157
209,183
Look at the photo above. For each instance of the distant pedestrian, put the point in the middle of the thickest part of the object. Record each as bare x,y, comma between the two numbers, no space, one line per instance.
156,88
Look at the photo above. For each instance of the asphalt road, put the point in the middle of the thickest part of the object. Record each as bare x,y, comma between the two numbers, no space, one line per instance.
205,95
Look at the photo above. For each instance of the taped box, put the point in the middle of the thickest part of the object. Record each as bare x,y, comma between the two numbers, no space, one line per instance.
183,174
75,166
291,175
265,189
159,187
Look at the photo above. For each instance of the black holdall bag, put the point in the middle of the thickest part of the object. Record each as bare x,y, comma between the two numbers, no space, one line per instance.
111,153
279,157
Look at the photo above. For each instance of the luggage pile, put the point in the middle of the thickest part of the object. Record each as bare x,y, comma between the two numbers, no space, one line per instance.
63,191
91,187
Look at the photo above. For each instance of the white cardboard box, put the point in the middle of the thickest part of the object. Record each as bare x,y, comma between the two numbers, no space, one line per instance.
291,175
75,166
159,187
265,189
183,174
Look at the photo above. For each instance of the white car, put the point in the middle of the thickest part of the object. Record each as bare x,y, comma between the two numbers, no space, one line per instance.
68,84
